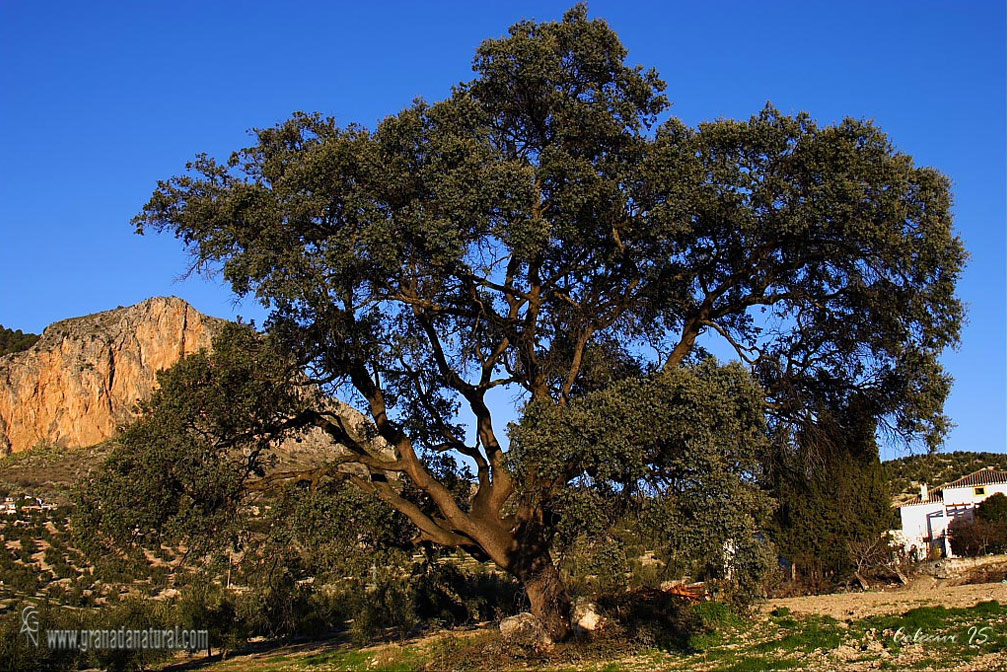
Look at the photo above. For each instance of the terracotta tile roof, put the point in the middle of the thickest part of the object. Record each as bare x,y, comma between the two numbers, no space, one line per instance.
935,496
981,477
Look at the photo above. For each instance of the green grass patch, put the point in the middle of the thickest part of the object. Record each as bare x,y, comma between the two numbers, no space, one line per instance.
348,660
807,635
705,641
716,614
339,660
934,618
756,664
990,607
715,625
959,629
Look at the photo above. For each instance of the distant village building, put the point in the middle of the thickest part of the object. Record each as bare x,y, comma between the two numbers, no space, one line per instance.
10,505
926,518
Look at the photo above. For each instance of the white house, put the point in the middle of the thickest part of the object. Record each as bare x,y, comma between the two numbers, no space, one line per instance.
10,506
925,519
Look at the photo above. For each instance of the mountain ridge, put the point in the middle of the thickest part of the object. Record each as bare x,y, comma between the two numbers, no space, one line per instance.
81,379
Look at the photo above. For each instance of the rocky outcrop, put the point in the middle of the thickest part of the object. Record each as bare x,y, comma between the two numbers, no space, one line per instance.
83,377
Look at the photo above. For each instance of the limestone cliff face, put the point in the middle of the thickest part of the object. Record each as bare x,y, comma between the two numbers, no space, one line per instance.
84,376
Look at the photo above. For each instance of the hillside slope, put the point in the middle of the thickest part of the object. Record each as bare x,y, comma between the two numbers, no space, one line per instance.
905,474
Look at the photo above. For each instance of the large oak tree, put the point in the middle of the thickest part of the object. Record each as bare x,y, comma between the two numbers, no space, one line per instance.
546,229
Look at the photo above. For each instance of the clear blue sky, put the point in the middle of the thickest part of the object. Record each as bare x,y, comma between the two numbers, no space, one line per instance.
98,100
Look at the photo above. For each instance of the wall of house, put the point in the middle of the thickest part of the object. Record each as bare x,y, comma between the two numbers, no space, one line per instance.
916,519
970,495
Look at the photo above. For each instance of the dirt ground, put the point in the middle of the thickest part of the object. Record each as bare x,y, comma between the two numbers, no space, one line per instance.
952,584
922,591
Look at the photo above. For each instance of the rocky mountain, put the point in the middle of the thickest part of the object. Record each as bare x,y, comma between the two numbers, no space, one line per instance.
82,378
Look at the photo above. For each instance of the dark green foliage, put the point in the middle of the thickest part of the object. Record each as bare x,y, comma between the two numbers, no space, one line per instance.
448,594
16,655
179,471
336,554
678,451
547,229
204,605
775,211
336,530
647,432
993,509
21,578
596,564
702,224
13,340
28,545
831,495
979,536
389,602
815,633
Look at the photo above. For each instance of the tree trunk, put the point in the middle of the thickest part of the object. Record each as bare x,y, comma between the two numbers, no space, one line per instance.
550,602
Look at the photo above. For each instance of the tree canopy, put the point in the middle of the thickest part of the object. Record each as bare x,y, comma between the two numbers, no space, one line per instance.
13,340
547,228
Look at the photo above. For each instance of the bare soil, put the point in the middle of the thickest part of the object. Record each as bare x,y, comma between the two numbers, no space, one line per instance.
956,590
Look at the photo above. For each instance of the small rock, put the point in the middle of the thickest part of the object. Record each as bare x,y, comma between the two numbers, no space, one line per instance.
586,616
524,629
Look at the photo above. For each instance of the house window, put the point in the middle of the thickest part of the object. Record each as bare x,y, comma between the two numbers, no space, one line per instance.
980,491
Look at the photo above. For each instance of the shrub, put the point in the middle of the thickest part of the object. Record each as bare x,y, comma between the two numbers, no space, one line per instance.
28,547
21,579
14,340
978,537
448,594
993,509
388,603
206,605
17,655
132,614
273,609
